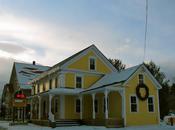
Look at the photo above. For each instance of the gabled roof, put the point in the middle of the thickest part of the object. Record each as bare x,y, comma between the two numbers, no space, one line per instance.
63,63
69,58
27,72
121,77
115,77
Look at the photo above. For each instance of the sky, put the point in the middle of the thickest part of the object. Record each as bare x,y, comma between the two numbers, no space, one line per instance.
48,31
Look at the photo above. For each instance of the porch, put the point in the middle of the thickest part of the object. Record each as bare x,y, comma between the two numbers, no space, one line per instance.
102,107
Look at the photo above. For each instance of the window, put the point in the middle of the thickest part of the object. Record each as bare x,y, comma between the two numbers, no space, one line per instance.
78,106
38,90
44,87
78,82
96,106
56,105
92,64
150,104
44,108
141,79
50,84
56,82
133,102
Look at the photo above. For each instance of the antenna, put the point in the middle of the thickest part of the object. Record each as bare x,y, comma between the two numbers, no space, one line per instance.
146,27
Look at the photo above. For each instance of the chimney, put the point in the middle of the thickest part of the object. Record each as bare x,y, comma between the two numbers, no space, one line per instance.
34,63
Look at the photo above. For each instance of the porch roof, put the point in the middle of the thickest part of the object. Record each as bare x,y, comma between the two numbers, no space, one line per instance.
113,78
65,91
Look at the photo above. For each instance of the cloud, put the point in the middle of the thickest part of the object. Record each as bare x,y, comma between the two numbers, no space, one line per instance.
11,47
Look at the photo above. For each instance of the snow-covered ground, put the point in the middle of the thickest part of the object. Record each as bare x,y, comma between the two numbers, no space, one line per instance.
36,127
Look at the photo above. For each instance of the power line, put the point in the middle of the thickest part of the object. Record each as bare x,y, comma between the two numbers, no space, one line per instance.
146,27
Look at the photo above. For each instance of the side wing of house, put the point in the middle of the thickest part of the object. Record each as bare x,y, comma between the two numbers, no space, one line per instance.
140,112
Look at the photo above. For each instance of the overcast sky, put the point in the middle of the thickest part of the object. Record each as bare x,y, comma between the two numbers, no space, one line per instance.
48,31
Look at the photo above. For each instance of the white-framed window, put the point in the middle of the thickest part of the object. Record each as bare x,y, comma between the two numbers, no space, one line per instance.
96,105
77,106
133,103
150,102
92,63
78,82
141,79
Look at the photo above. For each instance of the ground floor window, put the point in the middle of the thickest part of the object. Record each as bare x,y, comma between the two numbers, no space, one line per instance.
78,107
96,106
150,104
133,104
56,105
44,107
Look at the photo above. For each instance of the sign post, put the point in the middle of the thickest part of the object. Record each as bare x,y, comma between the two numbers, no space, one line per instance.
19,103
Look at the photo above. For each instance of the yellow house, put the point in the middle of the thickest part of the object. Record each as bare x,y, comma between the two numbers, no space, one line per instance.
86,89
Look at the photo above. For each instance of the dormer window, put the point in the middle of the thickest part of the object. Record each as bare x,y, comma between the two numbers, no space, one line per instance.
92,63
141,79
78,82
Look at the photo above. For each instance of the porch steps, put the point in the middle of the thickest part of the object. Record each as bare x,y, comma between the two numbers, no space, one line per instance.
60,123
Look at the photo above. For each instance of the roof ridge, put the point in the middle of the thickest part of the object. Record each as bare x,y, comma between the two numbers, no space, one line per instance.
70,57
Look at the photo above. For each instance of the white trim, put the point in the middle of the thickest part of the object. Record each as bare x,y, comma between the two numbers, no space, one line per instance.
158,107
137,103
95,63
124,105
151,96
61,80
68,70
82,81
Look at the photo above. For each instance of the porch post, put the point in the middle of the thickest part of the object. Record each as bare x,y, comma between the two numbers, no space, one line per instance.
39,114
106,104
31,110
51,116
122,93
93,102
81,107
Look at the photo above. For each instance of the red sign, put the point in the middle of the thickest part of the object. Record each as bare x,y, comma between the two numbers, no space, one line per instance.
20,96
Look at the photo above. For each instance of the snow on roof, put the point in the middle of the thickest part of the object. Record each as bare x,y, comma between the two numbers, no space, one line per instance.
114,77
27,72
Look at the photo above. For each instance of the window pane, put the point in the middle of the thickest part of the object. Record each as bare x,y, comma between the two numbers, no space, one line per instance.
133,99
77,105
133,108
141,79
78,82
150,100
92,64
151,108
96,106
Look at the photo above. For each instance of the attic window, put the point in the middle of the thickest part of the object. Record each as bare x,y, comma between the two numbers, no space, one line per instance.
92,63
141,79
